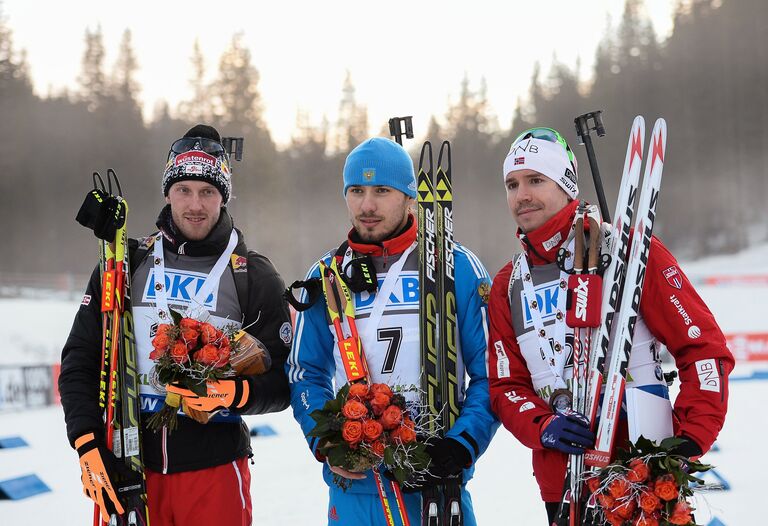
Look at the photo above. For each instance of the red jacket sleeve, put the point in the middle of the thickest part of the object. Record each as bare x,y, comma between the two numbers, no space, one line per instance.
513,398
677,316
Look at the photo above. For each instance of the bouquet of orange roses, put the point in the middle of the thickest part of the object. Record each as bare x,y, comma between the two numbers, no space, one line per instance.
190,353
647,486
367,425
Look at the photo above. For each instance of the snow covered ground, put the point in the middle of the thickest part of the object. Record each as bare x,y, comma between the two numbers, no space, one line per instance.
287,487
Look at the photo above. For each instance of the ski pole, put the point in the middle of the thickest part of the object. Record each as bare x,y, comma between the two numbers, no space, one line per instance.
583,128
396,128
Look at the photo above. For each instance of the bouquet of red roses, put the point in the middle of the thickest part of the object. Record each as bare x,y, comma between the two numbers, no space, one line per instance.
647,486
367,425
191,353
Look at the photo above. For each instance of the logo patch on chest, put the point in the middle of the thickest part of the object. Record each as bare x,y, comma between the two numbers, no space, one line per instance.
546,302
180,287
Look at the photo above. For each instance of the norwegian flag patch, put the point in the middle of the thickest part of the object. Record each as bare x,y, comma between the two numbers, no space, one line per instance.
673,277
519,160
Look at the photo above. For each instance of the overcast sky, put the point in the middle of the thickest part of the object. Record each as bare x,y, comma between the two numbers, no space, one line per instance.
405,57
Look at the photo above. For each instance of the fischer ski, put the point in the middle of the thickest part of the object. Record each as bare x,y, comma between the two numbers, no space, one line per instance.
438,322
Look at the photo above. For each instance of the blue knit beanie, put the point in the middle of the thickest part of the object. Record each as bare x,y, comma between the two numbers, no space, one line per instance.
380,162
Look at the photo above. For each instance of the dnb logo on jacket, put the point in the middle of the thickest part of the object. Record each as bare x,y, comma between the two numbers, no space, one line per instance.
546,298
405,294
180,286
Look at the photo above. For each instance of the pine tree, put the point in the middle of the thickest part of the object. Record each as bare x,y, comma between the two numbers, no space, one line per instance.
125,87
92,80
199,107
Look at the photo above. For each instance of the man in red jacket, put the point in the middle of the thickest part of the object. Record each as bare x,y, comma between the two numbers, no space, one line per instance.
530,366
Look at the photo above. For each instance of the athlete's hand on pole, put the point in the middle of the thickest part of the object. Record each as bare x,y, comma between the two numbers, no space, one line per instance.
567,431
97,464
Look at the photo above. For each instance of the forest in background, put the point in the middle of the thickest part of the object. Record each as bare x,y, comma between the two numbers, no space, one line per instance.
709,80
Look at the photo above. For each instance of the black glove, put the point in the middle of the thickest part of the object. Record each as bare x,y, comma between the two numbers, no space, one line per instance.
688,448
567,431
102,213
448,459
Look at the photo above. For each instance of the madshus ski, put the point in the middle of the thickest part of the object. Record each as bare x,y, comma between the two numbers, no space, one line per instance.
106,213
441,505
616,308
629,308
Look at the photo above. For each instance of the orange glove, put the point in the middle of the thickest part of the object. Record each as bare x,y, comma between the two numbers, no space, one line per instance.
224,393
97,465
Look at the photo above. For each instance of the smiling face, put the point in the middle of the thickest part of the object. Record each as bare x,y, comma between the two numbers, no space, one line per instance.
377,212
533,198
195,208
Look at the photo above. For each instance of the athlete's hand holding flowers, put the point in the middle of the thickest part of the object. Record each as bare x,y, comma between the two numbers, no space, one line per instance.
198,363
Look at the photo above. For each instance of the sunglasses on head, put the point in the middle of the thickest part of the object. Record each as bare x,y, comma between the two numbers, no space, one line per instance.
208,146
545,134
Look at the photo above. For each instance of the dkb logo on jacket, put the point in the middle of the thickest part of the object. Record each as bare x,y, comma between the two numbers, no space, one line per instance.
181,286
546,298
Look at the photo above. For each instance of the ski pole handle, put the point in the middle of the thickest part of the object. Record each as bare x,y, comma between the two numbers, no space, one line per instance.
396,128
583,129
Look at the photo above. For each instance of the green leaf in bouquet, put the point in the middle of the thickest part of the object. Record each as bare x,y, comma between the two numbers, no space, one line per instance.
322,428
401,474
176,317
165,375
644,445
670,443
698,467
317,415
389,456
337,456
343,393
419,458
333,406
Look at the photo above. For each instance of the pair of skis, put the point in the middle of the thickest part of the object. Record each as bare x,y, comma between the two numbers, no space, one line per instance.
118,379
620,305
441,505
341,310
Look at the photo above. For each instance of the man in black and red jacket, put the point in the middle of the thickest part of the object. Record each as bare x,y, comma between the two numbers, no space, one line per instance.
540,176
199,473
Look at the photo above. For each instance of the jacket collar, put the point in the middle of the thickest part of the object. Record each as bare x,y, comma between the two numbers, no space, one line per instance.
396,244
542,244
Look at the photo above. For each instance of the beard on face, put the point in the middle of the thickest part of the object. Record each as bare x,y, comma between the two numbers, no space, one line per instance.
381,231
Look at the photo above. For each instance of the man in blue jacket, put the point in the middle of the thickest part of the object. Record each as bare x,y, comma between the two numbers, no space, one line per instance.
379,188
